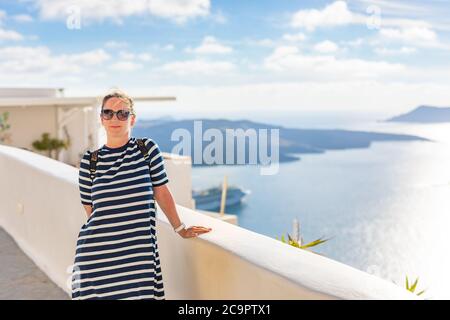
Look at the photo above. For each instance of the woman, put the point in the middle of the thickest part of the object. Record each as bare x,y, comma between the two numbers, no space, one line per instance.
117,252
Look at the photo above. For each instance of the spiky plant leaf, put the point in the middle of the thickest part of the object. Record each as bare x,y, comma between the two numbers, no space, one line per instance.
314,243
413,287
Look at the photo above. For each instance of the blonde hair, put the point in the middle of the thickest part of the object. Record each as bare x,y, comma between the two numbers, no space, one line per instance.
116,93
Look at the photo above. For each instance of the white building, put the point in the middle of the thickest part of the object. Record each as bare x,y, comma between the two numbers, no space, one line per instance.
33,111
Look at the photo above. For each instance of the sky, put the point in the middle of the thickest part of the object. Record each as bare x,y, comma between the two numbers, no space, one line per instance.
254,56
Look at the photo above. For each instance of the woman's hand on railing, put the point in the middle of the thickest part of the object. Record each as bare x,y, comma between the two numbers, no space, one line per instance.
193,231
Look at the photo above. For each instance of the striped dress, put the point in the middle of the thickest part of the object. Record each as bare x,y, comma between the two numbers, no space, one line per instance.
117,251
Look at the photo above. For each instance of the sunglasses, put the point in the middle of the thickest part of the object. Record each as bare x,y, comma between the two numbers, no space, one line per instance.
108,114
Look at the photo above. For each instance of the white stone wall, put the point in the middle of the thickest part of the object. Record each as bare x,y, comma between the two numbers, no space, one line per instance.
40,207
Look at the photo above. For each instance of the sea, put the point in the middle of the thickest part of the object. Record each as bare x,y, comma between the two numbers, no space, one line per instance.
384,209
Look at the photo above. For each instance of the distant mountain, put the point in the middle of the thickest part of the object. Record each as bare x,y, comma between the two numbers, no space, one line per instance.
424,114
292,141
154,122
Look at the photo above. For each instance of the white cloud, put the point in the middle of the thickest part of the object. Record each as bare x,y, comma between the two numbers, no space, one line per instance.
125,66
39,60
126,55
210,45
10,35
261,42
178,10
334,14
294,37
2,16
326,46
89,58
145,57
167,47
394,7
198,66
98,10
354,43
410,34
131,56
338,14
219,17
281,97
393,52
22,18
411,31
116,44
289,62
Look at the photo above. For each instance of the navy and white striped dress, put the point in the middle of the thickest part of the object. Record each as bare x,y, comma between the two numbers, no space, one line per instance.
117,251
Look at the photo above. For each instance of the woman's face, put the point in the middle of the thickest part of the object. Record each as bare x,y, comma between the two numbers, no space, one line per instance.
115,127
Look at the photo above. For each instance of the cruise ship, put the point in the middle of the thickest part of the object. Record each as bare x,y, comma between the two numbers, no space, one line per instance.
209,199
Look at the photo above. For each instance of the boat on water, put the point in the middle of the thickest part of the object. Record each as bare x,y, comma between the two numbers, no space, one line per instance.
209,199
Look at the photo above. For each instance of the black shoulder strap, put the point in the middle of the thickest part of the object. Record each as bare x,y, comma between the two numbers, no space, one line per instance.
94,157
144,151
93,164
142,147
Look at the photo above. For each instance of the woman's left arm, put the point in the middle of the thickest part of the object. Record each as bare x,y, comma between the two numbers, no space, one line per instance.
165,200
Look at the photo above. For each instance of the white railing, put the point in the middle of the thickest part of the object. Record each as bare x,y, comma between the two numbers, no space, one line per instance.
41,210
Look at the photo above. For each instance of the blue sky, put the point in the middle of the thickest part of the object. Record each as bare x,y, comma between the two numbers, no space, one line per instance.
356,55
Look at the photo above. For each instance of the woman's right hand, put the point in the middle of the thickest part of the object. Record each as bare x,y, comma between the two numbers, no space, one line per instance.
193,231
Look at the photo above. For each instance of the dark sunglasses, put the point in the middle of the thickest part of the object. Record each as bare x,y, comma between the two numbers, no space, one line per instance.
108,114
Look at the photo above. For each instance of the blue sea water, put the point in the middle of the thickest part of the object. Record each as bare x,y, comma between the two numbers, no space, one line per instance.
386,208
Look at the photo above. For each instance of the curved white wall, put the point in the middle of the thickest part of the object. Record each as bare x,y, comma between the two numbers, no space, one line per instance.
230,262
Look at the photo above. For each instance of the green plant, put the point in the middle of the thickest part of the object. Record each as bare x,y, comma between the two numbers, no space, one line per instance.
298,244
4,126
413,287
50,145
297,240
